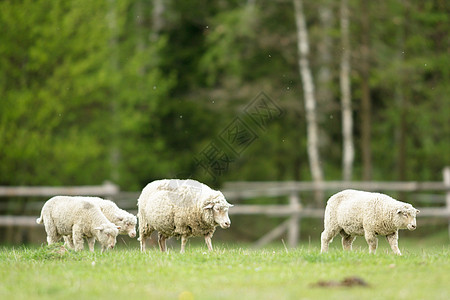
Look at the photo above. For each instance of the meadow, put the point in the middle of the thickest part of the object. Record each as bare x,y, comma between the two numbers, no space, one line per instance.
229,272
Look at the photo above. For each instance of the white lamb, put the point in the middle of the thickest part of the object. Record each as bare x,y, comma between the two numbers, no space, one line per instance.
180,208
356,213
62,216
126,221
121,218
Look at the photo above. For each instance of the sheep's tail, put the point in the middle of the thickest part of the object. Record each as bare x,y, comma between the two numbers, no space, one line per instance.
40,220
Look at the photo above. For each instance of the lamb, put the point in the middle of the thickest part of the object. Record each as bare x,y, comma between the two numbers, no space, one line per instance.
123,219
79,218
181,208
356,213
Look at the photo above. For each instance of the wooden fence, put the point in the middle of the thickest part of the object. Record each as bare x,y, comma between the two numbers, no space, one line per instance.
239,192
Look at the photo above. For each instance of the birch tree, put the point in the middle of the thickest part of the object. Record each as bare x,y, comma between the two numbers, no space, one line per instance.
400,97
348,151
114,155
325,47
309,98
366,108
157,18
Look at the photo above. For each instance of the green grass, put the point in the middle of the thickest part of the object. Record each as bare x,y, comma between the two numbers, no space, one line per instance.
229,272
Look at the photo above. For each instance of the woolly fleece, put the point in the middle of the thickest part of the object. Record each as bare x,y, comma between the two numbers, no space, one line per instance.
357,213
176,208
79,218
126,221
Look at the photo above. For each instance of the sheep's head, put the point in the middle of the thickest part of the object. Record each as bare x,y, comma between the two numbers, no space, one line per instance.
106,235
219,209
406,217
127,225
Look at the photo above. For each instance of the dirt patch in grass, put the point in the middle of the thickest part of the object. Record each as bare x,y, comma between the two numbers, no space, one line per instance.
353,281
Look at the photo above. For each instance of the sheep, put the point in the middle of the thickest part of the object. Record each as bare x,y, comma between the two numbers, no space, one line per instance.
121,218
357,213
79,218
180,208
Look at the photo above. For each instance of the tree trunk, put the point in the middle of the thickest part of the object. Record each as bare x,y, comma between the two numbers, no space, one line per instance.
348,151
401,102
310,101
324,74
324,92
157,19
114,152
366,109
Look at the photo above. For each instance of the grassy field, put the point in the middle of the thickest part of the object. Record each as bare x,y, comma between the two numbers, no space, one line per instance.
229,272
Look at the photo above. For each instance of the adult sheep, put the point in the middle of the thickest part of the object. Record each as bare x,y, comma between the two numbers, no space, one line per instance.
356,213
180,208
62,216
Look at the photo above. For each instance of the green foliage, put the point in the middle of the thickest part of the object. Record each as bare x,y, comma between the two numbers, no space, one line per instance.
91,91
228,272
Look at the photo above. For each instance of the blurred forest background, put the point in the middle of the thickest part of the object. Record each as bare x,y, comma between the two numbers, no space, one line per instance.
132,91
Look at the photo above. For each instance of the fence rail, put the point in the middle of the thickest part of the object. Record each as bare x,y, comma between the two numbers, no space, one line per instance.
107,189
242,189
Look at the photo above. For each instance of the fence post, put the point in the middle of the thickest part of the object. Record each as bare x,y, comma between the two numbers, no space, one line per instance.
294,224
446,175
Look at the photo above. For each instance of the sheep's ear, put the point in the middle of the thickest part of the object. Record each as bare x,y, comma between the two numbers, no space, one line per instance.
98,228
120,218
417,211
208,206
230,205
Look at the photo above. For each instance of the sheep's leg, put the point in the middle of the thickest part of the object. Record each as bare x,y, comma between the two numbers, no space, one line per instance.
347,240
68,241
393,241
142,237
52,234
326,238
77,238
51,239
91,242
208,241
372,240
184,240
162,242
142,240
145,233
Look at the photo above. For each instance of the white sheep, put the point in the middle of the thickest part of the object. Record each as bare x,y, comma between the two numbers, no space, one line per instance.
180,208
126,221
121,218
79,218
354,213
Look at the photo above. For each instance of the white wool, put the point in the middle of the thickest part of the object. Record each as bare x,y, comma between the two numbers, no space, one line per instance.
180,208
354,213
77,217
126,221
